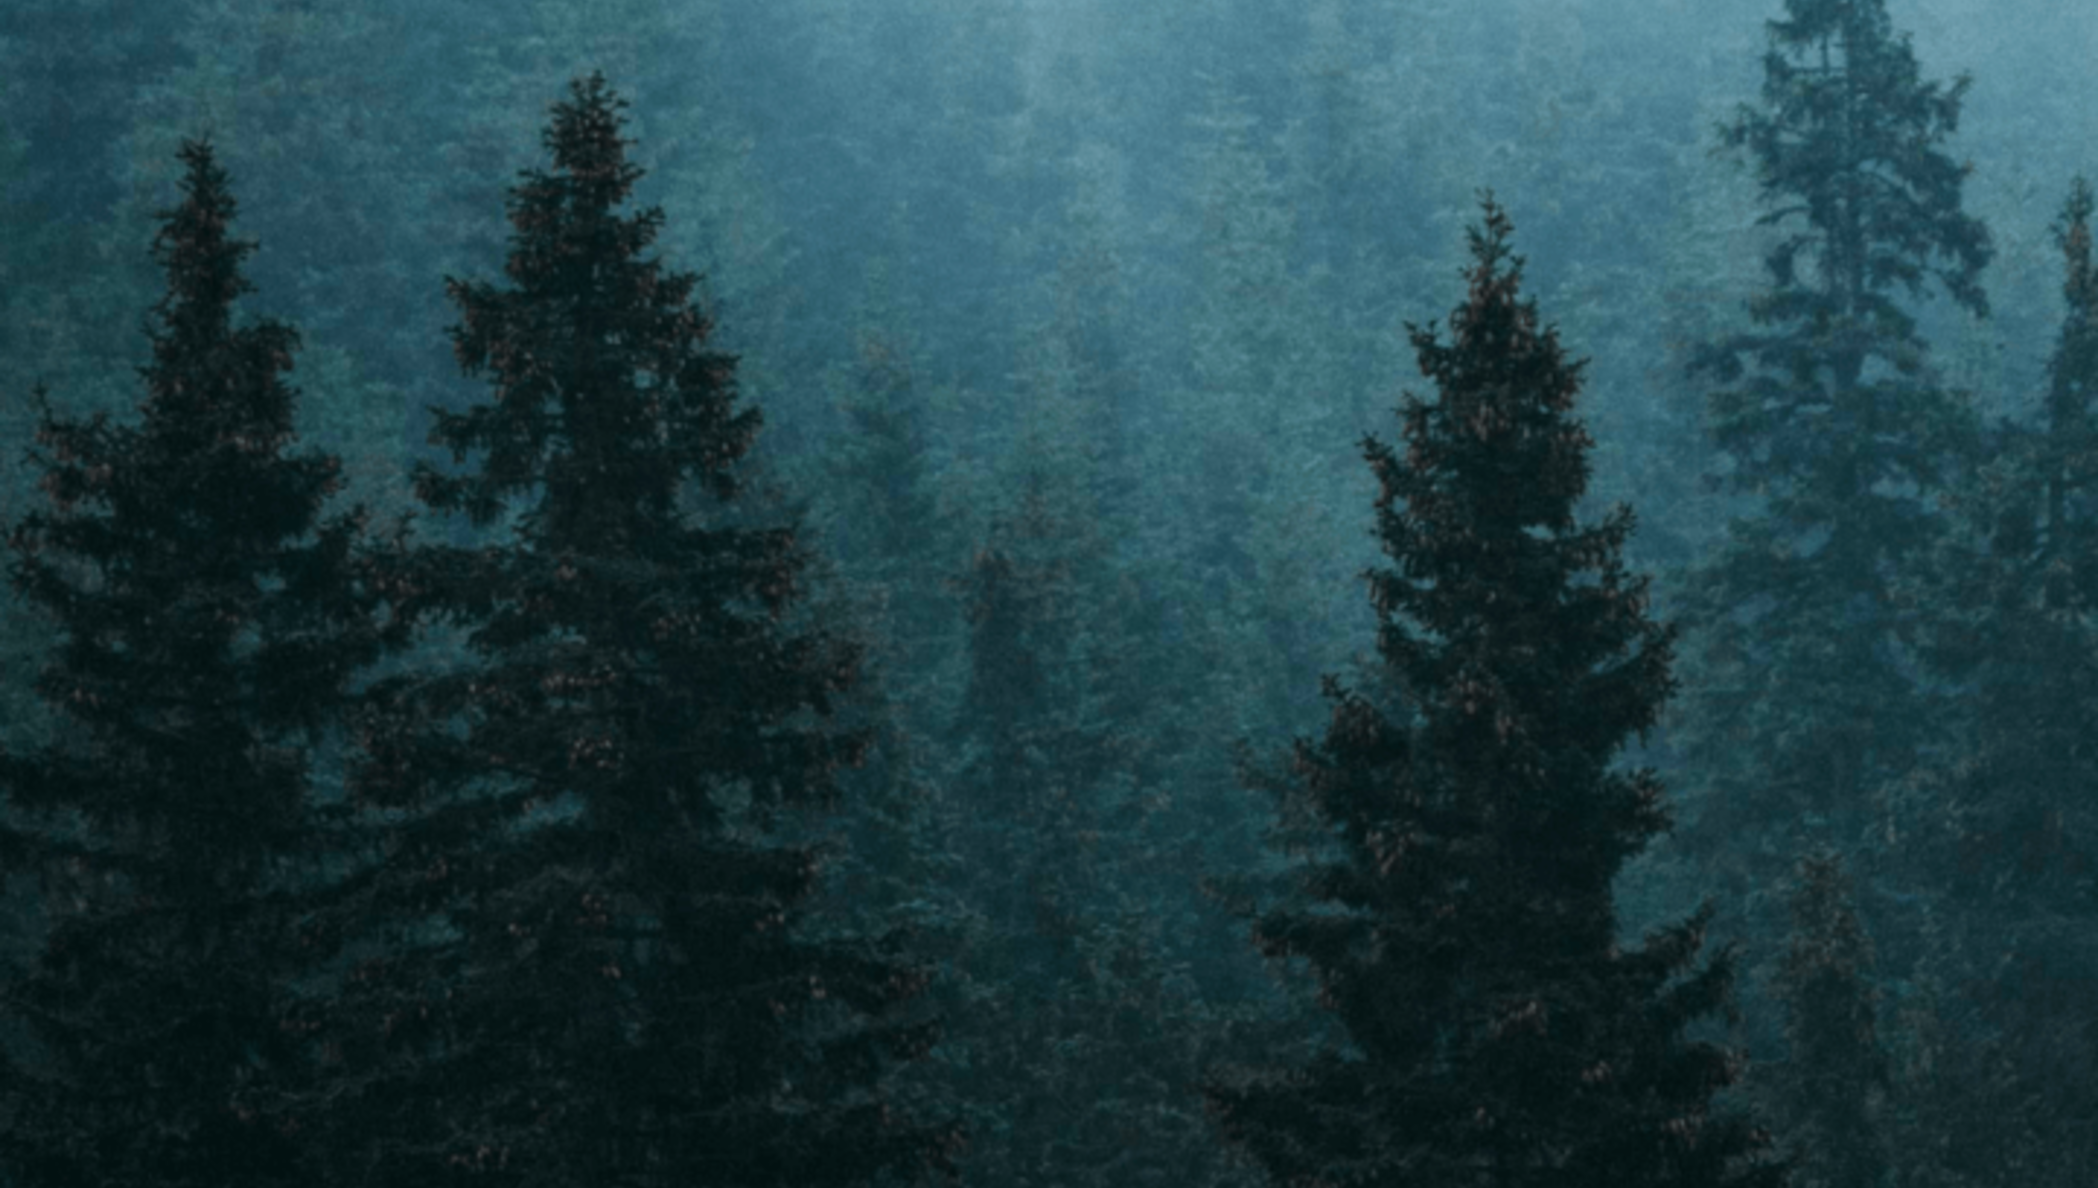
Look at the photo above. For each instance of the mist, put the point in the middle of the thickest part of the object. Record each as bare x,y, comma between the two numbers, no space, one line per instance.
1088,352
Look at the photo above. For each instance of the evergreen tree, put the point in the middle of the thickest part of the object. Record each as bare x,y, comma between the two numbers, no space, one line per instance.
2072,420
1832,1085
1461,923
2019,646
1076,1031
589,970
207,619
2010,844
1833,422
1269,563
882,518
1242,337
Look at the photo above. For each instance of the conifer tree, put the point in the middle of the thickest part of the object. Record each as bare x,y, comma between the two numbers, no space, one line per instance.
1075,1034
1831,418
1461,923
2010,846
592,973
2070,460
206,621
882,521
1832,1087
2023,578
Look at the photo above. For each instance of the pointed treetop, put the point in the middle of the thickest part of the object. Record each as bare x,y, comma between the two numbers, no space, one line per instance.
585,141
1506,397
2075,366
216,398
203,263
1862,23
2072,233
564,217
597,352
1489,237
1850,140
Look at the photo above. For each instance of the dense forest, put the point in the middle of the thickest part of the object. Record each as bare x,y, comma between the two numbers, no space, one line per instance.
1049,593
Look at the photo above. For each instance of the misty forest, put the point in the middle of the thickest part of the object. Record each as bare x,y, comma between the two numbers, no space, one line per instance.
1049,593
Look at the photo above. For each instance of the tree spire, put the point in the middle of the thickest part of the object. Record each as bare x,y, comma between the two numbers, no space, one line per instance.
1461,927
593,794
207,621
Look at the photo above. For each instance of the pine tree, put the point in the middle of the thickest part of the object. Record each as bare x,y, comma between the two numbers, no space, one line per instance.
1831,418
2021,576
2010,846
206,620
1461,924
1832,1086
2070,460
882,520
1075,1032
591,972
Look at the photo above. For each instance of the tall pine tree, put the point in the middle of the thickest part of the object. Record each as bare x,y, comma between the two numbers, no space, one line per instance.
207,619
591,972
1830,418
1461,923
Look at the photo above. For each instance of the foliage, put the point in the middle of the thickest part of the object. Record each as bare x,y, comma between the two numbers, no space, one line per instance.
1460,923
1836,1073
207,622
582,960
1143,264
2007,848
1077,1025
1807,702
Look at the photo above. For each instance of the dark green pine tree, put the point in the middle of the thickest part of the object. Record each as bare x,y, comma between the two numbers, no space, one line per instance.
1461,924
205,619
1832,421
589,970
1830,1092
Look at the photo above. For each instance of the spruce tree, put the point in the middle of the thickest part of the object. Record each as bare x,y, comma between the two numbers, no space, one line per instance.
1831,420
1461,923
2021,580
2010,846
589,970
2069,462
205,619
1830,1092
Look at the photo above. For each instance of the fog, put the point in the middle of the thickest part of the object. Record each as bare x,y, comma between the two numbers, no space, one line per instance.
1067,321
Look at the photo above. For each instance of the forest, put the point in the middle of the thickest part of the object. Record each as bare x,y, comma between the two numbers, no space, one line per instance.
1048,593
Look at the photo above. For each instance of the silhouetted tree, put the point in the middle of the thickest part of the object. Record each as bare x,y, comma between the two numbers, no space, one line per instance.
590,970
1461,923
206,620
